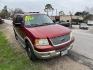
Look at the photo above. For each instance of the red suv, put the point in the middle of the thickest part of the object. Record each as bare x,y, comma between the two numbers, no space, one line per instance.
40,36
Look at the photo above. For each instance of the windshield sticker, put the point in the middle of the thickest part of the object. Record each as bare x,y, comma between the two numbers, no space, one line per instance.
29,18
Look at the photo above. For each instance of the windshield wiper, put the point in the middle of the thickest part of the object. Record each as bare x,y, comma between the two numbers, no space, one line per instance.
36,25
48,23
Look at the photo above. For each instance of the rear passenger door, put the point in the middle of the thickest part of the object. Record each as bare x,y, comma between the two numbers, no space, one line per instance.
19,27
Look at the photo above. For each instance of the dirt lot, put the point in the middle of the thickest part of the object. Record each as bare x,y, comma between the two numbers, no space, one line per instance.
59,63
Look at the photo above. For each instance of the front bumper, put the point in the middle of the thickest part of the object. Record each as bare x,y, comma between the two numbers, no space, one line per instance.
50,54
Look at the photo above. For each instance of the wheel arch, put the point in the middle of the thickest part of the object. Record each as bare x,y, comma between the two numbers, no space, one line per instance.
28,40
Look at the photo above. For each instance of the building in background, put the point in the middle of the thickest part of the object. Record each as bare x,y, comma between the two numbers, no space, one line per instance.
67,18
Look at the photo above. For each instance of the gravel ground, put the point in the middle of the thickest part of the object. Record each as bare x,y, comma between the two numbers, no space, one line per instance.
58,63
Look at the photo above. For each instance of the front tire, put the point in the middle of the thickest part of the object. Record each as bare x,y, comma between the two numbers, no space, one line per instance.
30,51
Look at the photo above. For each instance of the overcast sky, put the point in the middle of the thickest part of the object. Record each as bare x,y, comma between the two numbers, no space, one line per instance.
38,5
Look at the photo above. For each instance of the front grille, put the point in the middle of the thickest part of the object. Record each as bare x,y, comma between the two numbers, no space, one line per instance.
60,39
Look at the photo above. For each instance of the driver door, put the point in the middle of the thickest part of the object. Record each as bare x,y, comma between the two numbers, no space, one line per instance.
19,28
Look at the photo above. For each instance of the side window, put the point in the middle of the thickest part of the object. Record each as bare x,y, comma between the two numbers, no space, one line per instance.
18,19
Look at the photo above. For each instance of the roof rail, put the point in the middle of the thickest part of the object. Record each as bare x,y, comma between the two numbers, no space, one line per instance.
33,12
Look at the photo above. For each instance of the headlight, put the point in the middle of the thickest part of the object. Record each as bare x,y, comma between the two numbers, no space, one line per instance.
41,42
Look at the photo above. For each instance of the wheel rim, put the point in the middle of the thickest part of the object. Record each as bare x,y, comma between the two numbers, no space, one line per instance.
29,52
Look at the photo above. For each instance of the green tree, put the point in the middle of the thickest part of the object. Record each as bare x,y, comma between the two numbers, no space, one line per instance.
48,8
86,15
4,13
83,13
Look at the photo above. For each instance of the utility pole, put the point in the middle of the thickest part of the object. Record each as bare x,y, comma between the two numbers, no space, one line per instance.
70,18
56,12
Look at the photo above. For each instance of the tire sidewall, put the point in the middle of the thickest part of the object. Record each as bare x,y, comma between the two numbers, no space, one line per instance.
30,51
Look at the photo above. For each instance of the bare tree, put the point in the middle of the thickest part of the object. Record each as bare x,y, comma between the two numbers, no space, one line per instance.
18,10
90,10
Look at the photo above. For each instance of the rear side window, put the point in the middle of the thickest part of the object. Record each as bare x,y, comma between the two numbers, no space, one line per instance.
18,19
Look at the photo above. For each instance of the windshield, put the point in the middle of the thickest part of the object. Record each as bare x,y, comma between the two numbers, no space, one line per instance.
37,19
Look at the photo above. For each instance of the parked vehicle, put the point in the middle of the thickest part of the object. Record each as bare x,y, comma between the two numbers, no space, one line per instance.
41,37
1,21
76,21
66,24
90,22
83,26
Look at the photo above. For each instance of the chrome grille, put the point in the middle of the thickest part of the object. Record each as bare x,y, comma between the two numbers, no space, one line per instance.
60,39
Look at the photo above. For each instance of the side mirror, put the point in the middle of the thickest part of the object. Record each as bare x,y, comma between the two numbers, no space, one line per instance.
57,22
54,21
17,24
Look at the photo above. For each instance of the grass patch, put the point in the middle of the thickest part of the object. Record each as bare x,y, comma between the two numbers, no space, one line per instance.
11,60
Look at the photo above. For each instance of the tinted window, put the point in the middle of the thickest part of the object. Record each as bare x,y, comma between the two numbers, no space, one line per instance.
18,19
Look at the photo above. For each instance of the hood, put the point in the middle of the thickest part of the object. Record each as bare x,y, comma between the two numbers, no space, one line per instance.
49,31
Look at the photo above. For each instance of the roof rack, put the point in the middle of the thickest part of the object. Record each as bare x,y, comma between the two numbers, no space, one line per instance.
33,12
